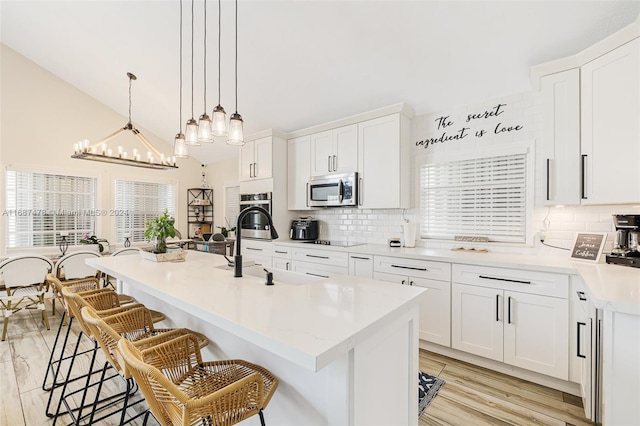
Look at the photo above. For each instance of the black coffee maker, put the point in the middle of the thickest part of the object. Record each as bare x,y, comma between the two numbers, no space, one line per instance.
626,249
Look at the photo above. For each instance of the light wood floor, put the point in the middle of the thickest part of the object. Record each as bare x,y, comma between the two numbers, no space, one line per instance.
471,396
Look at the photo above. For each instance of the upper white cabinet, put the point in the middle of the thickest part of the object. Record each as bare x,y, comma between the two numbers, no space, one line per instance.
256,159
383,162
334,151
558,159
610,125
299,166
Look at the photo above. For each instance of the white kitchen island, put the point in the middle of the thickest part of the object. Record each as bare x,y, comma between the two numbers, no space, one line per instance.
345,349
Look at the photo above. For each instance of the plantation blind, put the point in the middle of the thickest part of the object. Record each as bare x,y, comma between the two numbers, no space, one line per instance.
136,202
40,205
475,197
231,206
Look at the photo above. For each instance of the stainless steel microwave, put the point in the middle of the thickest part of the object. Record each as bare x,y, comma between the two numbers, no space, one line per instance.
336,190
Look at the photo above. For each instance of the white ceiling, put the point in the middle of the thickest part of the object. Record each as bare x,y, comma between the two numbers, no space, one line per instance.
303,63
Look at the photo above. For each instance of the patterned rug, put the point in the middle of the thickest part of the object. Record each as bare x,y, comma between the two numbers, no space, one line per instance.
428,387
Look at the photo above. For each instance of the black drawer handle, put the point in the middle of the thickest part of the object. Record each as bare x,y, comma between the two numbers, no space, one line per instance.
548,184
317,275
509,310
581,295
497,307
317,257
281,252
579,340
361,258
410,267
503,279
251,248
583,177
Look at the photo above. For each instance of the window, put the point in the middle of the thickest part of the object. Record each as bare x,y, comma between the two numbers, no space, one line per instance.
137,202
485,196
40,205
231,205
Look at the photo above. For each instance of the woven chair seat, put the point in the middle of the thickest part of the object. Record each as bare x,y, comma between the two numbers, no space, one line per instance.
26,291
125,298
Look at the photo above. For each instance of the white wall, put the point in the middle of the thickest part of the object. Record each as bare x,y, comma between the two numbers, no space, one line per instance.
42,117
219,176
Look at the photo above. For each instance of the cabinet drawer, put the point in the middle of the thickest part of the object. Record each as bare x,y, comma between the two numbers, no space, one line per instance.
412,267
534,282
317,270
281,252
323,257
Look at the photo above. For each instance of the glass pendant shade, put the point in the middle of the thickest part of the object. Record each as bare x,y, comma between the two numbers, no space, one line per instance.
236,132
180,147
191,134
219,124
204,129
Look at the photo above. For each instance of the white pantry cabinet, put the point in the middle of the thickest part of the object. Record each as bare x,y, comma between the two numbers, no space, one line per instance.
558,159
335,151
610,127
299,170
435,307
514,316
256,159
383,162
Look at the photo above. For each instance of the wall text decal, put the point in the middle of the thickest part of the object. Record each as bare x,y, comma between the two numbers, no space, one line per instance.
475,127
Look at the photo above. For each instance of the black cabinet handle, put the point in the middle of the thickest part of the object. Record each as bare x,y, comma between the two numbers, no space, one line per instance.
581,295
254,249
317,275
361,258
497,307
579,340
410,267
548,167
280,252
317,257
410,282
583,176
484,277
509,310
404,282
307,194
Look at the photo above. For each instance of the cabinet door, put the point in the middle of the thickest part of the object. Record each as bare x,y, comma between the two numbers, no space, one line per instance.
321,153
535,333
361,265
317,270
379,163
246,161
299,170
262,158
345,143
435,311
610,126
558,156
279,263
476,320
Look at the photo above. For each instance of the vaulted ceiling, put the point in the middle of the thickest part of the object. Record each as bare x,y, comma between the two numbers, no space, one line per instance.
302,63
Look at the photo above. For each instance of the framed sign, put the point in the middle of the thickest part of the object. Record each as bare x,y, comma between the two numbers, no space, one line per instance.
588,246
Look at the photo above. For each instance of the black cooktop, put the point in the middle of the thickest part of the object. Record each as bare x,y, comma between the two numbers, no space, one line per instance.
335,243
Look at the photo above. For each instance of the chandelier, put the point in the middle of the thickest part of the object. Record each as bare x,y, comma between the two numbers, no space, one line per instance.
99,151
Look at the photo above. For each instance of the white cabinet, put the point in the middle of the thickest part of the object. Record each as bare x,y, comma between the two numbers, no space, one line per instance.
257,250
435,306
281,257
256,159
361,265
610,126
582,347
299,171
558,158
383,162
319,262
514,316
335,151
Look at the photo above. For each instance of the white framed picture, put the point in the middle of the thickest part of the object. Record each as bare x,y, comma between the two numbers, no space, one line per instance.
588,246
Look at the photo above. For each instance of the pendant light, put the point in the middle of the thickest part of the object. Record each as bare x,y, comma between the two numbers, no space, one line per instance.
204,122
236,133
219,125
179,145
191,133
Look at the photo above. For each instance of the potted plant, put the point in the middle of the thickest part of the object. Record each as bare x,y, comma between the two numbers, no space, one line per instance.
159,229
224,230
92,239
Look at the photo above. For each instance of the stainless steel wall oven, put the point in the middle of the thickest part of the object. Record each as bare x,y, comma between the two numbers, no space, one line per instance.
255,225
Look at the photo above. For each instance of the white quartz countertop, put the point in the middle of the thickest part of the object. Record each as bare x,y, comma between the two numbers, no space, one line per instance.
309,324
612,287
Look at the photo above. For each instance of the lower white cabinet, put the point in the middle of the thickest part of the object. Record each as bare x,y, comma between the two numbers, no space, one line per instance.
524,330
257,250
319,262
582,348
281,257
361,265
435,307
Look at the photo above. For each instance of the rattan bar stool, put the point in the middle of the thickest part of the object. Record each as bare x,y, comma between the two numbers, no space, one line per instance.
181,389
133,325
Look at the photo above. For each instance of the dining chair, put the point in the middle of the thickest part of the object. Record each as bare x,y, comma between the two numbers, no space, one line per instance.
22,286
181,389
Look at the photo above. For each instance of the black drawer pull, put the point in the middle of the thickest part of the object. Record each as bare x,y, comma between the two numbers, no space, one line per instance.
317,257
410,267
251,248
503,279
581,295
281,252
317,275
497,307
361,258
509,310
579,340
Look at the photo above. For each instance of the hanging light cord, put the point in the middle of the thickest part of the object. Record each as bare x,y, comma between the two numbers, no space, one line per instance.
219,32
205,57
192,9
180,100
130,79
236,56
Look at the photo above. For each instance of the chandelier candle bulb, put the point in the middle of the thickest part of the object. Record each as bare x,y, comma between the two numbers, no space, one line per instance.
109,152
119,151
104,149
124,154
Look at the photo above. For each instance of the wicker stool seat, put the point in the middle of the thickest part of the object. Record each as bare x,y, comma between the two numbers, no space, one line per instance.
181,389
